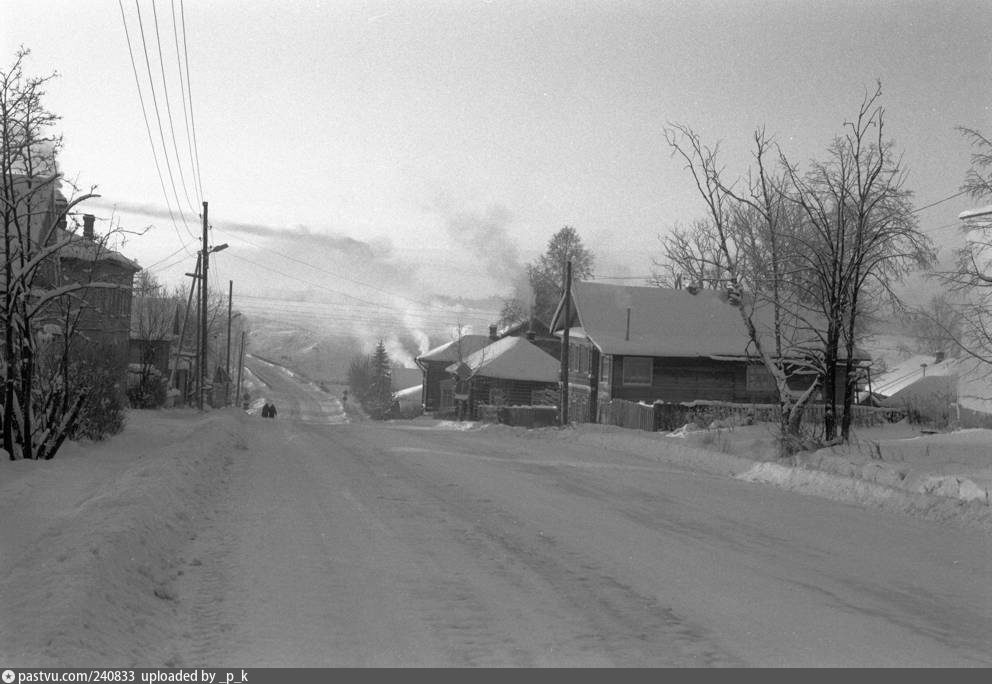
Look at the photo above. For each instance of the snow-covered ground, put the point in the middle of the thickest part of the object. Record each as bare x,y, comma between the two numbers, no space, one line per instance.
91,542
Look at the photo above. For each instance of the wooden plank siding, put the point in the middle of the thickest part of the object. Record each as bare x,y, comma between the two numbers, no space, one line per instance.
502,392
596,378
687,379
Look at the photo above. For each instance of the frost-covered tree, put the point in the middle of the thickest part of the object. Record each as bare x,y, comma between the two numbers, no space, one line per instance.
863,236
971,278
46,386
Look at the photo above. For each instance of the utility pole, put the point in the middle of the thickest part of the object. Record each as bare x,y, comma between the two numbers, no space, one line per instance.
203,315
182,331
196,340
227,365
241,363
564,343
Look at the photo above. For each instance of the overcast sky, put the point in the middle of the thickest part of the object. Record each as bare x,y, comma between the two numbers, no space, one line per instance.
436,146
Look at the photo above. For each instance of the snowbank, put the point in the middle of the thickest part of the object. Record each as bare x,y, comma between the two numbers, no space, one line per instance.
91,539
941,502
939,477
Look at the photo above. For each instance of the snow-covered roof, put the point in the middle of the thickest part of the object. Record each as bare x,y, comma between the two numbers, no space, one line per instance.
662,321
89,250
512,358
910,370
979,212
968,380
452,351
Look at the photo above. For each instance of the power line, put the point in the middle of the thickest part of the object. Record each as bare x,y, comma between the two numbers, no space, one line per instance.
168,109
158,118
377,305
189,94
144,114
941,201
152,266
326,272
182,93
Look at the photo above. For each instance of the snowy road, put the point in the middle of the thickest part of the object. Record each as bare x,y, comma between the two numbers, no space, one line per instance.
393,544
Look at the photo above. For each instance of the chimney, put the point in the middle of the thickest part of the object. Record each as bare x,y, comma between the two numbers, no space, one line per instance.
88,226
492,332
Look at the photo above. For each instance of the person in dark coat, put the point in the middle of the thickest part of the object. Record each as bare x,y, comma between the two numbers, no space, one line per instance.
272,410
265,410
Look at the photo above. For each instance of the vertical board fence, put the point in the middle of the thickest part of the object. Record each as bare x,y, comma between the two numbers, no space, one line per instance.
662,416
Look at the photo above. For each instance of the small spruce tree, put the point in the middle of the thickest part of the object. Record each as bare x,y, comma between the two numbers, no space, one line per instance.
380,399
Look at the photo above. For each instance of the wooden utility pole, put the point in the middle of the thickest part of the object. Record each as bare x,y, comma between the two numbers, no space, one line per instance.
227,365
203,315
241,363
196,346
182,331
567,305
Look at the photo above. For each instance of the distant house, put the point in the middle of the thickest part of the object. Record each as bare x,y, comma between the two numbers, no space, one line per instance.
97,311
106,279
508,372
651,343
434,362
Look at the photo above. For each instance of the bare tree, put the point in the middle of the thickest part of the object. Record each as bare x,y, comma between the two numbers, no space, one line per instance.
744,246
971,278
41,305
863,237
694,257
155,314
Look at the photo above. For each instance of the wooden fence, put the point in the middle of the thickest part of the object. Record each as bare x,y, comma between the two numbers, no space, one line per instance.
662,416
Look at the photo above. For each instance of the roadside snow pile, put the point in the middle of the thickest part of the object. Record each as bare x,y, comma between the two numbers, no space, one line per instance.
955,464
930,505
934,476
91,539
456,424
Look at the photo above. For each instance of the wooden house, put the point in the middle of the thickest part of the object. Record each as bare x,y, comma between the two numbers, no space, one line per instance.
652,343
433,363
509,372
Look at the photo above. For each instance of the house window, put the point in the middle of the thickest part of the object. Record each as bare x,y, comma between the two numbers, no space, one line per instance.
637,370
604,368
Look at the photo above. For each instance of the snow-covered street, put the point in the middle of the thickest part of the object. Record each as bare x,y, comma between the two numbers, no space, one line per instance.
231,540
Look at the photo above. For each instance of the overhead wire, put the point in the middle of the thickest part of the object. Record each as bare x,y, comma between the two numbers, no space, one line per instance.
378,305
940,201
326,272
152,267
189,94
158,118
182,93
168,109
144,114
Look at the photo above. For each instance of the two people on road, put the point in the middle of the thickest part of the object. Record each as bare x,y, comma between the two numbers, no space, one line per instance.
269,410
